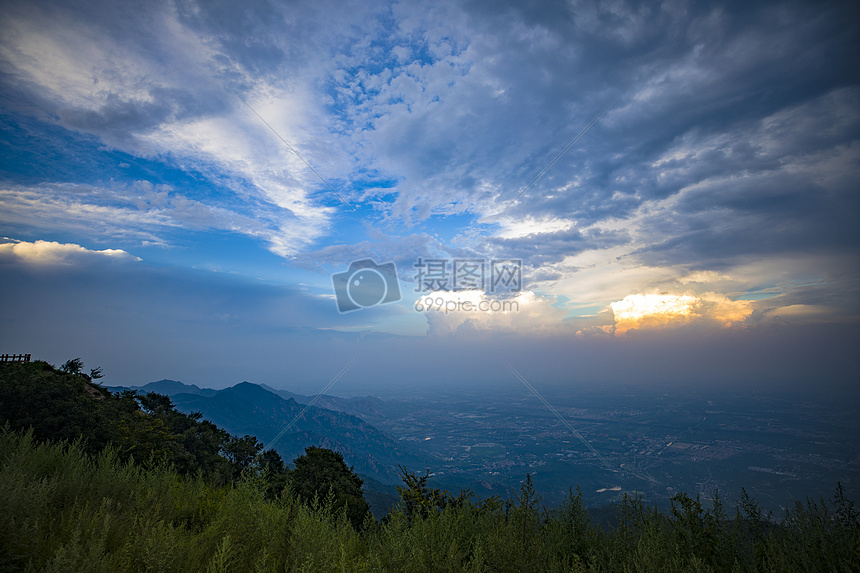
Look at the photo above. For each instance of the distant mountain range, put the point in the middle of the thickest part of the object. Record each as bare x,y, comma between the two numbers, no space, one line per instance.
168,388
264,412
366,408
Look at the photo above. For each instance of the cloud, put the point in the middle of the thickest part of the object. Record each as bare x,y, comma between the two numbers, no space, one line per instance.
651,310
459,105
725,311
140,212
796,314
159,95
727,164
654,311
530,226
474,311
53,253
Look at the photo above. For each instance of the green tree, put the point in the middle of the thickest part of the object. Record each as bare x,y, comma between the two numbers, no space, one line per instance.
154,403
321,473
57,405
242,452
73,366
419,499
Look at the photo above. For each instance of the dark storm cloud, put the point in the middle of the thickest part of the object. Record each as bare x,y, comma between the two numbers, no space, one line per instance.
133,31
120,121
705,73
549,248
733,145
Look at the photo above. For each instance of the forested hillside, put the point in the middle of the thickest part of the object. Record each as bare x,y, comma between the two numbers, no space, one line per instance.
147,428
263,412
92,481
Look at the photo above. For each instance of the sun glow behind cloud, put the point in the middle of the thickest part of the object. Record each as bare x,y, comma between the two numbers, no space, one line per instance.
646,311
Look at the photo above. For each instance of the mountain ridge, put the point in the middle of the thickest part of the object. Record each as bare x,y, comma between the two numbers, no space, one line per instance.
365,407
167,387
252,409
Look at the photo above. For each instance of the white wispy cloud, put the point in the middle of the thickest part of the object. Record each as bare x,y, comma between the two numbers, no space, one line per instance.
141,212
160,96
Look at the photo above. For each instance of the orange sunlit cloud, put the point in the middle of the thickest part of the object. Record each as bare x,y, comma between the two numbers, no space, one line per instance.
644,311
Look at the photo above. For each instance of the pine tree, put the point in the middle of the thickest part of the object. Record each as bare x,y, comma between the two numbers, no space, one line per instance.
321,473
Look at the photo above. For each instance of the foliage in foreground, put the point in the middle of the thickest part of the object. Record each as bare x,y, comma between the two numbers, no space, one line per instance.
322,474
64,404
67,510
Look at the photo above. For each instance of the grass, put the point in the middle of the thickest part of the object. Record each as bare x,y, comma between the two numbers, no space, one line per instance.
65,510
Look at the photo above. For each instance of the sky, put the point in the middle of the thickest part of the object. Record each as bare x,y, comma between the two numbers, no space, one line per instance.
599,192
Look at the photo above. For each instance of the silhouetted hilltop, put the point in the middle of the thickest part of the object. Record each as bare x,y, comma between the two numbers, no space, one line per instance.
261,411
248,408
167,387
365,407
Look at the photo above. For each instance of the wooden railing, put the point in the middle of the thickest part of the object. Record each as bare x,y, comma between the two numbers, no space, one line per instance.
14,357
